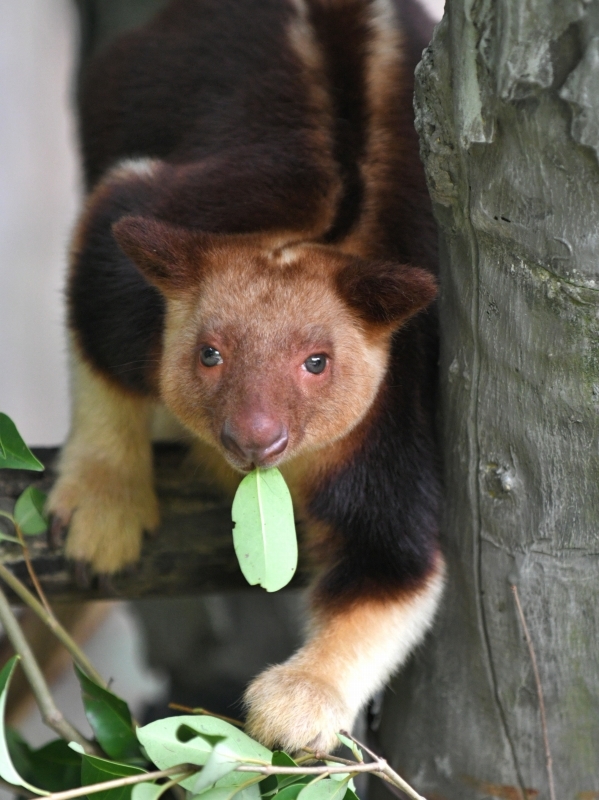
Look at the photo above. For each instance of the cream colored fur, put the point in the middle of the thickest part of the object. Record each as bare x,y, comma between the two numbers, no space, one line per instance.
348,657
105,491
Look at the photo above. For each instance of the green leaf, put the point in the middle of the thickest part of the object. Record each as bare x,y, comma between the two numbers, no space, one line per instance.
227,754
350,794
147,791
358,755
281,759
251,792
239,744
54,766
290,792
29,511
97,770
7,769
269,786
264,529
291,780
166,748
14,453
325,789
221,762
110,720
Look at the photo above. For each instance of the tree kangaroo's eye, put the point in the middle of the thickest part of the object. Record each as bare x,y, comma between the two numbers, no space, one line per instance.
210,357
316,363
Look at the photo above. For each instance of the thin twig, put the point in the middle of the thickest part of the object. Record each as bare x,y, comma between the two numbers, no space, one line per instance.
315,756
31,571
50,713
535,669
398,781
389,774
199,710
50,620
360,745
5,536
375,766
130,780
378,767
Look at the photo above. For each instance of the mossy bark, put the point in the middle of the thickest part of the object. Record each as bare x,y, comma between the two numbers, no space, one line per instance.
507,106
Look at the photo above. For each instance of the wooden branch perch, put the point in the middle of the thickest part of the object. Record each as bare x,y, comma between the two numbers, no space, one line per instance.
192,551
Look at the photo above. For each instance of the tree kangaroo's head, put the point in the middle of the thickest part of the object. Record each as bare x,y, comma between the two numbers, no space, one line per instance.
269,349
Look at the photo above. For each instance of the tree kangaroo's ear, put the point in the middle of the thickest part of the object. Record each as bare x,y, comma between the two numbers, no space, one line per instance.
169,256
384,292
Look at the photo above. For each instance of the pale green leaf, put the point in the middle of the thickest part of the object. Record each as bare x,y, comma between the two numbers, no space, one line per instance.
7,769
251,792
29,511
179,740
358,755
325,789
14,453
223,759
264,529
218,731
147,791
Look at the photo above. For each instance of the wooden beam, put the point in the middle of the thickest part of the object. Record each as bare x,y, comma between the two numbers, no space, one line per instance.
191,553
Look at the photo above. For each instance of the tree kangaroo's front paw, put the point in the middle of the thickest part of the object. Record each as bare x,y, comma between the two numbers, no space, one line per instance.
291,709
106,514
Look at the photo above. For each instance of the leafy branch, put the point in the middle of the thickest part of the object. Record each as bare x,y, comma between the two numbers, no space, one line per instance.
50,712
204,755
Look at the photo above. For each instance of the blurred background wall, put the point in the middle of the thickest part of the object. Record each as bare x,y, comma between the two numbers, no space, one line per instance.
38,202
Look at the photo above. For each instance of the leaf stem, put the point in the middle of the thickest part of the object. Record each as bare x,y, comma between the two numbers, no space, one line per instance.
50,620
31,571
130,780
50,713
7,515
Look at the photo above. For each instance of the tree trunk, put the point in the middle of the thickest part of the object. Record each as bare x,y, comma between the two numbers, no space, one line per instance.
508,113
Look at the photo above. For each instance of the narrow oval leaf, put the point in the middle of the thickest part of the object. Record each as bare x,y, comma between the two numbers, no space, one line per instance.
29,511
7,769
326,789
264,534
110,720
98,770
14,453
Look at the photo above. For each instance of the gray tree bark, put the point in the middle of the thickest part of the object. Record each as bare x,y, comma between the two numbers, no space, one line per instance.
508,113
